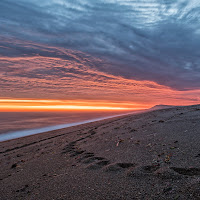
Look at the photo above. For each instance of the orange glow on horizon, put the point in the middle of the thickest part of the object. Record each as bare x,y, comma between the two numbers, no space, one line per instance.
25,105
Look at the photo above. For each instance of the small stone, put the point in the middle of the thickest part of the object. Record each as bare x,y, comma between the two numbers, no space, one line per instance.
167,189
167,158
133,130
137,142
198,155
120,141
14,166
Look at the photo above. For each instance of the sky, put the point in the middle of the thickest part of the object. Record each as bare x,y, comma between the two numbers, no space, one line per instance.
99,53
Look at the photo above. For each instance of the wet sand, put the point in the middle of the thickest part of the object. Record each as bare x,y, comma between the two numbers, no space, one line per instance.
154,155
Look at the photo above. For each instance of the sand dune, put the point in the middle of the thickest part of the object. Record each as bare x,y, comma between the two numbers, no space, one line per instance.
154,155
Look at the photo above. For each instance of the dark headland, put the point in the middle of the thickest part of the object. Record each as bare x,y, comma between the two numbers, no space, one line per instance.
154,155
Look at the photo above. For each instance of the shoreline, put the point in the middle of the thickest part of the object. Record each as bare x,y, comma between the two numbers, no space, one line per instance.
28,132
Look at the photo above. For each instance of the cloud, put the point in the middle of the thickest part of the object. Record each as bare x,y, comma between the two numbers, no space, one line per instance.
138,40
76,76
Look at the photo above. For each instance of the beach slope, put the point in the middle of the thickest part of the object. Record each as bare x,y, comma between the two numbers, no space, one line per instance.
154,155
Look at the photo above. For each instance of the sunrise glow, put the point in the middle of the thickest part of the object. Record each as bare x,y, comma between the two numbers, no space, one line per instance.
62,105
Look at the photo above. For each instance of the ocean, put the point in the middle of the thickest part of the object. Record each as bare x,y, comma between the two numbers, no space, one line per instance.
19,124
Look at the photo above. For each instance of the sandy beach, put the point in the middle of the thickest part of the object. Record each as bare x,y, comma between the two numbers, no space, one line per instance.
154,155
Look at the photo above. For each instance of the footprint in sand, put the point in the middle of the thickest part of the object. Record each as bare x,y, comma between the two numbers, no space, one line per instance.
187,171
92,159
98,165
119,166
142,171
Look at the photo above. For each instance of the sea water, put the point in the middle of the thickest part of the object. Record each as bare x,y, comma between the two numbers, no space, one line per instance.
19,124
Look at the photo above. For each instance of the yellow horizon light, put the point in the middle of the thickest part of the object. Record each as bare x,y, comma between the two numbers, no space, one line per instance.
39,104
67,107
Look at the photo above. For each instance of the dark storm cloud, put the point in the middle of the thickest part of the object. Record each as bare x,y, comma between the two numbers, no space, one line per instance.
140,39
